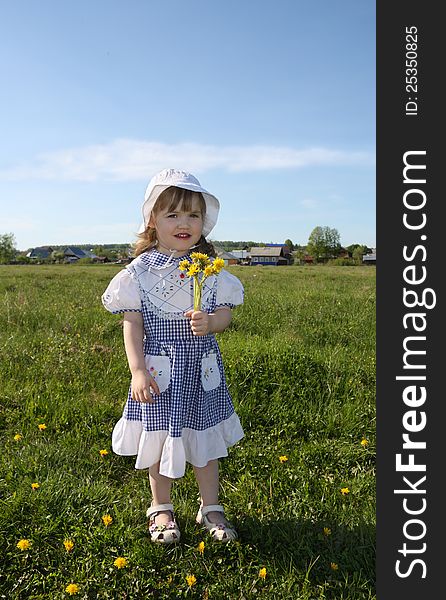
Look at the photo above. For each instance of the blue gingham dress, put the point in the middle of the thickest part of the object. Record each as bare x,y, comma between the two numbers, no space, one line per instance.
193,418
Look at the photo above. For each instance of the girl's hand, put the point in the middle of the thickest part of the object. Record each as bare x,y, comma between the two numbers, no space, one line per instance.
200,322
143,385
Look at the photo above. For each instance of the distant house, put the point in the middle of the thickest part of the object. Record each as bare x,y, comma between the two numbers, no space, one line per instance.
344,253
243,256
369,259
40,253
307,259
228,257
73,253
273,255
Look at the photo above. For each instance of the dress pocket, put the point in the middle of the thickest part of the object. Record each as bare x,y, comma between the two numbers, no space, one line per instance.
159,368
210,373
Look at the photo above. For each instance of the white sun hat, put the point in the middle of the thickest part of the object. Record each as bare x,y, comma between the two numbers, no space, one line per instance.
182,179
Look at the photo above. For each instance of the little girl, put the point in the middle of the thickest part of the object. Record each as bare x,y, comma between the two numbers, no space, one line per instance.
178,407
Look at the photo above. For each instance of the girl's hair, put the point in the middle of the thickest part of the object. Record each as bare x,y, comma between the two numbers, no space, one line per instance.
170,199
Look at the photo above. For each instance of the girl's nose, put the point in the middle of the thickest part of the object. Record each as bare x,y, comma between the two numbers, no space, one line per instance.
183,222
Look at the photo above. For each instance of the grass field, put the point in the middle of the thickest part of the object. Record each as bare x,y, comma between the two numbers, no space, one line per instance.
300,362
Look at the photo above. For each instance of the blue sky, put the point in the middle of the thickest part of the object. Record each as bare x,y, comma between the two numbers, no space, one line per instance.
271,104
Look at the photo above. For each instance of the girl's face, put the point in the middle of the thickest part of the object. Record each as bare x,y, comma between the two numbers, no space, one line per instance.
178,229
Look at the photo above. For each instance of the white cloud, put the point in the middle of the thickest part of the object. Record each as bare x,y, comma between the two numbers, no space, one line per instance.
132,160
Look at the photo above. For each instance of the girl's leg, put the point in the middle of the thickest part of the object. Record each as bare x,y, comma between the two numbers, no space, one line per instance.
208,483
160,486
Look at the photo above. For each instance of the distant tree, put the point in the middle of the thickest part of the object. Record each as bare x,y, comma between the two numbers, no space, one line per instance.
7,247
324,243
358,250
353,247
290,244
299,252
358,253
57,256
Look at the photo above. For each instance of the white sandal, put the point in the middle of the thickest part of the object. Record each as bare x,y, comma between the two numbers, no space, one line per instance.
162,534
220,532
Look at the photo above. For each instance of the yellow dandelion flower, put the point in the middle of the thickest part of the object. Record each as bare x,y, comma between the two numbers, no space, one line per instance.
199,256
283,458
262,573
35,486
218,265
103,452
191,580
334,566
327,531
107,520
208,271
193,270
184,265
345,491
120,562
200,547
42,426
23,544
17,437
69,545
364,442
72,588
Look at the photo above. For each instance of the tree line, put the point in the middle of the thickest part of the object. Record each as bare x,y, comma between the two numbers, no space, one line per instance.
324,243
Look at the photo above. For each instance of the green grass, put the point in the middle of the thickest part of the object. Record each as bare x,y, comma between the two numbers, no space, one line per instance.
300,362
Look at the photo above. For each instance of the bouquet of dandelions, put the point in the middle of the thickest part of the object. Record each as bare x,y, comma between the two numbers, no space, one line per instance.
200,269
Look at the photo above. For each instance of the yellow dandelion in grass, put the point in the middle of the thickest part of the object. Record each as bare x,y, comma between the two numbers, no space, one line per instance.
364,442
262,573
103,452
283,458
23,544
334,566
200,547
191,580
69,545
18,437
35,486
120,562
42,426
345,491
107,520
327,531
72,588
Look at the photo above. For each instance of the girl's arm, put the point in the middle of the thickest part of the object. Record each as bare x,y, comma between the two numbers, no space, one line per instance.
203,323
133,343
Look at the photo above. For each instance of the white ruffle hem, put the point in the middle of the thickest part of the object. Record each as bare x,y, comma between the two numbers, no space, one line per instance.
194,447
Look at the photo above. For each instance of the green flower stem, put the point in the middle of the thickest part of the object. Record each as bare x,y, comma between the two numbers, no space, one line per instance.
197,294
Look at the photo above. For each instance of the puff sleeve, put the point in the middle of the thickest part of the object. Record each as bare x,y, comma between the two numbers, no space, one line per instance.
122,293
229,290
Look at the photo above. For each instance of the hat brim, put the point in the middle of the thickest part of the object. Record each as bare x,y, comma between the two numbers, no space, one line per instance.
212,205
